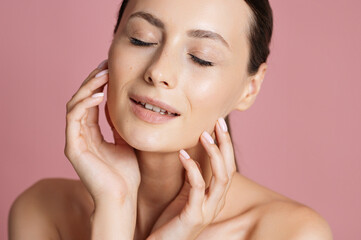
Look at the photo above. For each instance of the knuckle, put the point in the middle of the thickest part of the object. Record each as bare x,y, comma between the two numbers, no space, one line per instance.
70,154
66,151
228,138
200,185
223,180
90,76
68,105
197,221
69,116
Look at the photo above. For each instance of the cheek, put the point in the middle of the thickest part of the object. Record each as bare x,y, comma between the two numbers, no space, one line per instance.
121,62
124,67
212,96
206,103
206,92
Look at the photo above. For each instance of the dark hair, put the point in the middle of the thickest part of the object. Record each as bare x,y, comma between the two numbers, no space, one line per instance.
259,35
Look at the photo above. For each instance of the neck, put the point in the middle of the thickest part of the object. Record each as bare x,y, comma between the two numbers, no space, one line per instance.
162,177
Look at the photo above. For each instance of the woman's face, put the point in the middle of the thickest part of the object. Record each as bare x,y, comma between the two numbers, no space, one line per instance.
170,68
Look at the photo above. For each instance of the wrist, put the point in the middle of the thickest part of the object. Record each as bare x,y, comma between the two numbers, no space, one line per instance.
125,204
116,198
112,218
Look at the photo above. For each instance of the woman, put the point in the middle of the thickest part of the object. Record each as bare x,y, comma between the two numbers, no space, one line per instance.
175,70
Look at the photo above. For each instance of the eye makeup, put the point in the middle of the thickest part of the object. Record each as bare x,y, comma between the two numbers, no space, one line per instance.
197,60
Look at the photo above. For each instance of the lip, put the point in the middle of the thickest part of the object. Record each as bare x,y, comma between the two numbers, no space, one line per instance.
148,115
154,102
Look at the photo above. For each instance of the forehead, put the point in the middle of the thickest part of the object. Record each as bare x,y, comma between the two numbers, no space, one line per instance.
229,18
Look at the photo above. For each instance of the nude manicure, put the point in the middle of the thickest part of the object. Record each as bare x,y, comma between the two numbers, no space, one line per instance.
95,95
208,137
223,124
102,73
184,154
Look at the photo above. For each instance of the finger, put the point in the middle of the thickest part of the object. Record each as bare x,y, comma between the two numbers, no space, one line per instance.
91,133
88,89
220,178
196,193
75,116
102,66
92,125
93,118
225,146
92,121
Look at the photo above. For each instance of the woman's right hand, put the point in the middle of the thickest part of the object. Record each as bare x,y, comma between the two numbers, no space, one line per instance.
107,170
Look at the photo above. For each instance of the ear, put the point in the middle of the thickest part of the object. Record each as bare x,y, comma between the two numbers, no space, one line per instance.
251,88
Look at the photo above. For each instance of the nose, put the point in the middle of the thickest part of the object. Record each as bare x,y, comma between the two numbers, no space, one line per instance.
162,70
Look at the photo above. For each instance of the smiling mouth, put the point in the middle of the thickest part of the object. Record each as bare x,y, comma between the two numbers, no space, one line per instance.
154,108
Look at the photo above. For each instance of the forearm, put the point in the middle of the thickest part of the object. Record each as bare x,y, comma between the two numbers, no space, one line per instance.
114,219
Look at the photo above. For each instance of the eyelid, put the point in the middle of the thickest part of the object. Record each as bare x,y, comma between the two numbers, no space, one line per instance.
138,42
201,62
197,60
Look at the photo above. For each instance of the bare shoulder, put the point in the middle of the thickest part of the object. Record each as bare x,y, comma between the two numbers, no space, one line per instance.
291,220
42,210
254,212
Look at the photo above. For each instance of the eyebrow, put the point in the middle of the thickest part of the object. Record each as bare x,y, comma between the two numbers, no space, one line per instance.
196,33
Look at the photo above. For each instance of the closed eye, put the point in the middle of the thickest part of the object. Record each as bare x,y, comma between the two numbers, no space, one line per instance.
201,61
137,42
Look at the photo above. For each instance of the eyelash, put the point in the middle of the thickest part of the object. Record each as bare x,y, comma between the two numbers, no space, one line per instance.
137,42
199,61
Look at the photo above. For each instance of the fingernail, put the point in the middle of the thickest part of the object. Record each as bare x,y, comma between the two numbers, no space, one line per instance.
95,95
223,124
101,65
102,73
208,137
184,154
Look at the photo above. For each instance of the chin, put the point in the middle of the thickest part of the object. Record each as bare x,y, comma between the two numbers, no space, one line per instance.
142,140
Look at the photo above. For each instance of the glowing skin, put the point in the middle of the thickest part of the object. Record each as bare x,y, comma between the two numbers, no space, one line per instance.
167,72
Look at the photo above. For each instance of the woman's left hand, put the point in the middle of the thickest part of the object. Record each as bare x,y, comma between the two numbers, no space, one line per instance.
195,207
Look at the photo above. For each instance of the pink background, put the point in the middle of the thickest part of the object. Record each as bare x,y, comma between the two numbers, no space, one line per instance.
300,138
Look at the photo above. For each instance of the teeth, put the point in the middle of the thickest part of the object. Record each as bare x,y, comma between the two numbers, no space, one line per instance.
148,106
156,109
